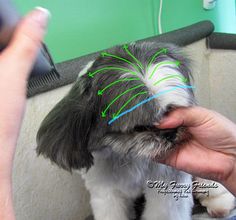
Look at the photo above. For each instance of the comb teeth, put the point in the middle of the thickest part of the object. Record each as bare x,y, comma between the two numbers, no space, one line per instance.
38,82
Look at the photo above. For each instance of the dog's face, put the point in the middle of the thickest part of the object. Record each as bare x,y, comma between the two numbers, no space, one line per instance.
115,104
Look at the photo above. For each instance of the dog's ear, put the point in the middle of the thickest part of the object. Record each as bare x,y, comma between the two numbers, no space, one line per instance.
64,133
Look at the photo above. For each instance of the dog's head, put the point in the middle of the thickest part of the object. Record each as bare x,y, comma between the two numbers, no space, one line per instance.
115,104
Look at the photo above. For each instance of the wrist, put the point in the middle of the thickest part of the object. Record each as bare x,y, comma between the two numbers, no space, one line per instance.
230,182
7,151
6,201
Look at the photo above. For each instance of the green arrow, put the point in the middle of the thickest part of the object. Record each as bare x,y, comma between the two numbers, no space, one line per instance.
91,74
177,63
126,48
183,79
123,106
163,50
103,54
100,92
120,58
117,97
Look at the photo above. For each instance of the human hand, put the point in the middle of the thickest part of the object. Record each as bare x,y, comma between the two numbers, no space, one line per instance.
211,151
16,62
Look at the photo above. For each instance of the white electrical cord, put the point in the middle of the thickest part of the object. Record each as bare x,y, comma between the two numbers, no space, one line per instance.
159,17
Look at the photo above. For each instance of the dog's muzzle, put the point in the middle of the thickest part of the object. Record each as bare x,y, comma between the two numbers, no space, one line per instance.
168,134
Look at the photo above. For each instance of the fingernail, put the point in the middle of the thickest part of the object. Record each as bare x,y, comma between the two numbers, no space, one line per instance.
41,16
163,120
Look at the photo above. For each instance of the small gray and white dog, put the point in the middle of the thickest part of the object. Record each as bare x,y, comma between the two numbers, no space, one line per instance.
104,127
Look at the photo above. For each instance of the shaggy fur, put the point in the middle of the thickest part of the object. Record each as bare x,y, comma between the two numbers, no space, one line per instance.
116,160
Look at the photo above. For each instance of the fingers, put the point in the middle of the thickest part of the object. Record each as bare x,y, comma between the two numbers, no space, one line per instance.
16,62
199,161
26,41
190,117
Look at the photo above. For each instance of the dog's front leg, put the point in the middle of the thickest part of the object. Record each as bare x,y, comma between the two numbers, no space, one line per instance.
165,207
168,194
109,204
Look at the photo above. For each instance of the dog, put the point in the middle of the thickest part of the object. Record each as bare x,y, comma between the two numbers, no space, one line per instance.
104,129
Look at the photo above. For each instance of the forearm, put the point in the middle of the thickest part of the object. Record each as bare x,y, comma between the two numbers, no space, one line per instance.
230,182
6,202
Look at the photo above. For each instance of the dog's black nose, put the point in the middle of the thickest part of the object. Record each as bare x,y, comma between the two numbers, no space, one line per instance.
168,134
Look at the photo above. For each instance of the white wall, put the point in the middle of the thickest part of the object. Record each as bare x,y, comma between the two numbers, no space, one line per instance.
214,72
43,191
222,70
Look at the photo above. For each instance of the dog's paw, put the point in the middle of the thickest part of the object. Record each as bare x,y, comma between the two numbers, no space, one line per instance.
219,202
219,206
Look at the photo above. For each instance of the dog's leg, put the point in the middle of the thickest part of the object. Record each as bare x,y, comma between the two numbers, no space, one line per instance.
110,200
163,207
168,194
110,204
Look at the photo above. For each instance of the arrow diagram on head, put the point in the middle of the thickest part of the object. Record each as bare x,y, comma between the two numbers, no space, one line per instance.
101,91
117,97
163,50
182,78
163,63
123,106
119,58
92,74
126,48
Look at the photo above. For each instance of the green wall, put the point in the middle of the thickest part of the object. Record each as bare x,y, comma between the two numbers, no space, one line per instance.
79,27
185,12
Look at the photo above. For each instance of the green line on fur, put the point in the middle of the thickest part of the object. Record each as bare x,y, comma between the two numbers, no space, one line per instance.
101,91
163,63
91,74
126,48
117,97
183,79
123,106
120,58
163,50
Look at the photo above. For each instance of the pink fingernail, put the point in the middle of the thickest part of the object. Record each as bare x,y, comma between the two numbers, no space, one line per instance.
41,16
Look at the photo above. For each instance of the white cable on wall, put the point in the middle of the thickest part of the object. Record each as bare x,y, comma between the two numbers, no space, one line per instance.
209,4
159,17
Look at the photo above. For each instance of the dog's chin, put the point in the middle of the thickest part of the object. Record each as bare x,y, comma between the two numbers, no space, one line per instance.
144,141
165,140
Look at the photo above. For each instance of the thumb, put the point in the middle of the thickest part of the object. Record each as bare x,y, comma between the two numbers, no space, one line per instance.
26,41
190,117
